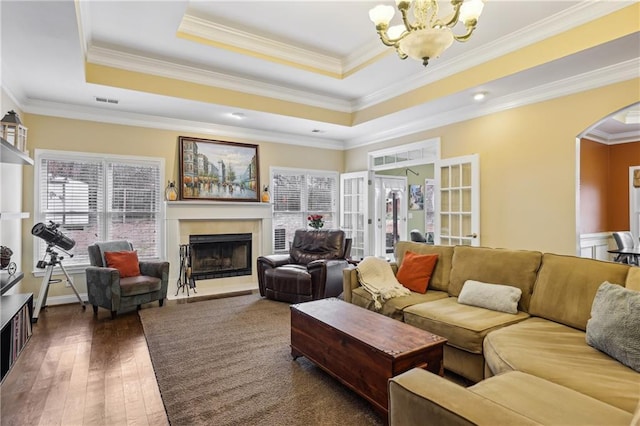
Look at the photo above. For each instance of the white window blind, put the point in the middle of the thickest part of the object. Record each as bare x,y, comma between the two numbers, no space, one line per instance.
100,199
296,194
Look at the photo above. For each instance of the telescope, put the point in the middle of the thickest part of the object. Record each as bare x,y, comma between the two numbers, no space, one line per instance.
52,235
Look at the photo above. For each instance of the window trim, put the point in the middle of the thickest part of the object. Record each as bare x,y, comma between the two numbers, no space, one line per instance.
293,170
51,154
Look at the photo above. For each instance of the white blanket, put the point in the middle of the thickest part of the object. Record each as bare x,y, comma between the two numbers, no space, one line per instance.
376,276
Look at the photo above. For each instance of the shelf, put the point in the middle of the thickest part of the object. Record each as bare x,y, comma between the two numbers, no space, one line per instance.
16,215
11,305
11,154
7,281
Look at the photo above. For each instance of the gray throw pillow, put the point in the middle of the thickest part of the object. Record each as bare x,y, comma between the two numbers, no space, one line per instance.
497,297
614,326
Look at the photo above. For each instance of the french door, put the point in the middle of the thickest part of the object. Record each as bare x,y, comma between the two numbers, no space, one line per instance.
357,204
457,219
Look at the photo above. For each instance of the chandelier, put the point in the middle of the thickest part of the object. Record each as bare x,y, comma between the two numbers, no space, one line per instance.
428,35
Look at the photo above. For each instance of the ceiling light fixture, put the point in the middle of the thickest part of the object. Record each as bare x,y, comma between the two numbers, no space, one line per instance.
428,36
480,96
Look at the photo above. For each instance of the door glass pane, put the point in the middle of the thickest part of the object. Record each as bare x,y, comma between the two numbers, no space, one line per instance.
466,174
466,225
444,177
444,224
466,200
444,201
455,201
455,225
455,176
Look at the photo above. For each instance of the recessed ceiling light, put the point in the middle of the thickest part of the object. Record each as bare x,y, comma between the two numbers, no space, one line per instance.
479,96
238,115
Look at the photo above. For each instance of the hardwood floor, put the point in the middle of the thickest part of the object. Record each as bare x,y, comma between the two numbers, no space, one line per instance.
82,370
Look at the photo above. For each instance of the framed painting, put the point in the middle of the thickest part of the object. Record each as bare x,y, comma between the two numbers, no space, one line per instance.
416,197
218,170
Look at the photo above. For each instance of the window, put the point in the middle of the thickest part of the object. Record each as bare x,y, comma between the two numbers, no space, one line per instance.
99,198
298,193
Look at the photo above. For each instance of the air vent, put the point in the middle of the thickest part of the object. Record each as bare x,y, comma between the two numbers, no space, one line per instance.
107,100
279,239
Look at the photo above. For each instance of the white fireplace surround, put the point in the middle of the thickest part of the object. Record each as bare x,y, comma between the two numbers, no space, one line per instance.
201,213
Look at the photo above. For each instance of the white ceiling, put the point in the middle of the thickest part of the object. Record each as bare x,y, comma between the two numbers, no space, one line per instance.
45,45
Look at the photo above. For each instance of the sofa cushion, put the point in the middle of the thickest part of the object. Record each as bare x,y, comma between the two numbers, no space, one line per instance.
141,284
394,307
548,403
517,268
566,286
614,326
497,297
415,271
440,275
464,326
558,353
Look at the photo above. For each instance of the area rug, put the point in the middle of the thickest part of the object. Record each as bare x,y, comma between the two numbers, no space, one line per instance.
228,362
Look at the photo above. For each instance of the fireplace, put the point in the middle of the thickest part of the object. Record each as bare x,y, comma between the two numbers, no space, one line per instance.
220,255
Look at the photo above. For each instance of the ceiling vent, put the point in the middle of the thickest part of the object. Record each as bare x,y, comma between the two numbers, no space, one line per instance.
107,100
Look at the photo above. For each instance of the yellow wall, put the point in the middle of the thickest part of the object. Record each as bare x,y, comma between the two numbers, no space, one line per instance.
47,132
527,165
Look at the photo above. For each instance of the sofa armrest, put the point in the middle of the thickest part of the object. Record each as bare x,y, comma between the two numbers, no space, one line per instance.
158,269
269,262
349,282
326,277
103,286
420,397
275,260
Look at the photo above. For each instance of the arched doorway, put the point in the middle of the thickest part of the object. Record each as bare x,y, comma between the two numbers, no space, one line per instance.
606,153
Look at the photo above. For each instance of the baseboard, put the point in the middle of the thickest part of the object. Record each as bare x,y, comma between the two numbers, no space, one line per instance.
63,300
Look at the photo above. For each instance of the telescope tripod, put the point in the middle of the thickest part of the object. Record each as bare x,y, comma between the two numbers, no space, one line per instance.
55,260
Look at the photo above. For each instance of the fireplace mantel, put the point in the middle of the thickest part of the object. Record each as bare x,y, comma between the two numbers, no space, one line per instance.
180,212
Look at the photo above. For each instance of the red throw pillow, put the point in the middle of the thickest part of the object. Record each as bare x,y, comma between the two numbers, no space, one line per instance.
126,262
415,271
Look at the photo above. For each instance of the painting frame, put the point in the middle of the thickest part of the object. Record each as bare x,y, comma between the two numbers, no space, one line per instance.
215,170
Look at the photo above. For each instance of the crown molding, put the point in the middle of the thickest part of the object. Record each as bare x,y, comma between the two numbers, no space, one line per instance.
131,62
363,54
579,14
101,115
609,139
605,76
260,46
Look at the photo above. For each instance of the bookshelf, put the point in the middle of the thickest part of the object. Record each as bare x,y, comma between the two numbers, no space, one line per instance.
16,311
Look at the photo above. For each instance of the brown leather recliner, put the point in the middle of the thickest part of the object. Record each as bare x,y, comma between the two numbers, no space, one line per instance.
312,270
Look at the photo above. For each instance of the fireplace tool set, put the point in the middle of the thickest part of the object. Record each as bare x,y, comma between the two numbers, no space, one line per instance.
185,280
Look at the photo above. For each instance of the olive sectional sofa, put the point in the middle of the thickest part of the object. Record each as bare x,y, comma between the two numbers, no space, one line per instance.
529,367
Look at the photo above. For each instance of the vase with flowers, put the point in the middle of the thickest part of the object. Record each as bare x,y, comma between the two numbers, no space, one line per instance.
315,221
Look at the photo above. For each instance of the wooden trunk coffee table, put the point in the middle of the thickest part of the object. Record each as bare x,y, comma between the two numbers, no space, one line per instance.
362,349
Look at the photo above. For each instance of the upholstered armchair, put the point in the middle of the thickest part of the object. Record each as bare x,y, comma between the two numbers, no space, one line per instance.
107,289
312,270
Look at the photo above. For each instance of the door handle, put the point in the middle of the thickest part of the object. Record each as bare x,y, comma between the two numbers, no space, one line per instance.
474,235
